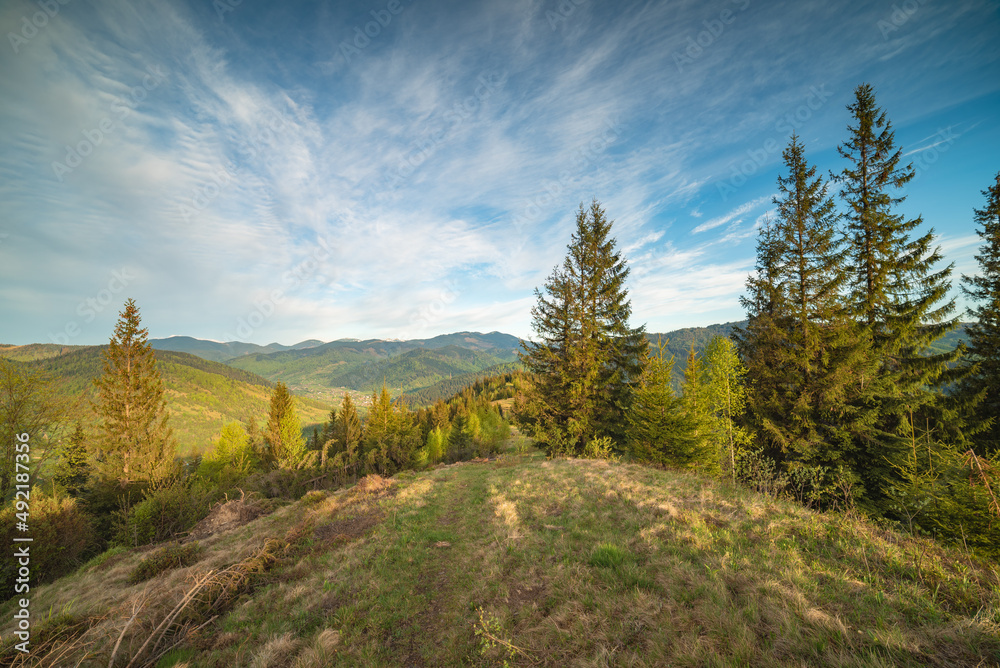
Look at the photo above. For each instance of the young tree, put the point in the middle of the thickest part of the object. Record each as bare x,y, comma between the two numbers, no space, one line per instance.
696,401
390,438
660,430
73,465
895,291
284,431
727,398
136,443
587,358
980,388
28,405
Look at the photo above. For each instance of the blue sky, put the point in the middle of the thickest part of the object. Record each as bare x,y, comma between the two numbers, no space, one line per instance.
399,169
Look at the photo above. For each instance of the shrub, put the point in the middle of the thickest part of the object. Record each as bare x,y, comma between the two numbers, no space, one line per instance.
164,559
61,532
165,513
600,448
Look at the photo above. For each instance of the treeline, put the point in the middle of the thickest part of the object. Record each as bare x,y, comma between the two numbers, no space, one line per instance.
120,483
480,382
837,388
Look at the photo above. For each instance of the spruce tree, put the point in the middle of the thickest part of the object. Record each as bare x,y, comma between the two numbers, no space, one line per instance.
133,435
73,465
284,431
816,419
980,387
660,431
895,291
587,357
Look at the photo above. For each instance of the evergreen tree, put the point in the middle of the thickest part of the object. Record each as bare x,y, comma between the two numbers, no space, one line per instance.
390,439
284,431
659,429
805,404
980,388
894,290
587,358
696,401
136,443
73,465
727,399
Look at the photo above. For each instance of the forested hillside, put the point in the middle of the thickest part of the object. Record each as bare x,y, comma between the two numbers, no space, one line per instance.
202,395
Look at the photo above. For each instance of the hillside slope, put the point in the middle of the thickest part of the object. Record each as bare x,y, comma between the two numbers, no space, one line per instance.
201,395
324,371
544,563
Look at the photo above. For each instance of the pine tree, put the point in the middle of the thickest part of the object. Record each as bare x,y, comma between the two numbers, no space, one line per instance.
980,388
73,465
133,435
587,358
284,431
894,290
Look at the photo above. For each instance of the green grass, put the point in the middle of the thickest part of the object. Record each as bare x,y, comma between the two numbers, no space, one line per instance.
532,562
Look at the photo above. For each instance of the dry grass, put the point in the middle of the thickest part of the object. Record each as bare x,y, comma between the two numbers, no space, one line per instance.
576,563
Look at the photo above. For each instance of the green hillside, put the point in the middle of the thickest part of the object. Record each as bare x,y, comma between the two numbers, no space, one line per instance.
323,372
528,562
201,395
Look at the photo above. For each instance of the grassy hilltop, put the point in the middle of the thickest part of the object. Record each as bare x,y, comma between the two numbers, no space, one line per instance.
527,562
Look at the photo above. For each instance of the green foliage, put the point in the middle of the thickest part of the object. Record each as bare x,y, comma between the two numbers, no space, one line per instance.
164,559
978,390
27,406
390,440
72,467
727,399
287,448
661,429
895,292
587,358
608,555
61,532
600,448
436,445
232,457
165,513
133,435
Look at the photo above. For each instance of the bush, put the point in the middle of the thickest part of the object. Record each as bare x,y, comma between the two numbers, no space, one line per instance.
165,513
600,448
61,532
163,559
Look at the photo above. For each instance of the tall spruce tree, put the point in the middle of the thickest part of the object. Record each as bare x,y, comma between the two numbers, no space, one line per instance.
133,435
980,387
587,357
895,290
819,358
284,430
